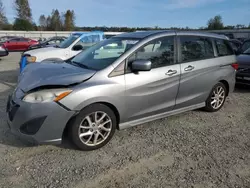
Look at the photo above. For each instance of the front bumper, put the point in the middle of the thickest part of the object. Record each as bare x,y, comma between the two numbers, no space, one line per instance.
49,120
4,53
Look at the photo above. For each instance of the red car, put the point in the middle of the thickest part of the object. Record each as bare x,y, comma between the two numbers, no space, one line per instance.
19,44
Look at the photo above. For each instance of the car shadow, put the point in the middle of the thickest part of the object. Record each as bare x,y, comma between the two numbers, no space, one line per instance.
9,76
242,88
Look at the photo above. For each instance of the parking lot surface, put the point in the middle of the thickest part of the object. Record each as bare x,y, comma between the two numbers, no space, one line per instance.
194,149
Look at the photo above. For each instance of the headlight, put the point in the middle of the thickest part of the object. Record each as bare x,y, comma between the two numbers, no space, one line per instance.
48,95
31,59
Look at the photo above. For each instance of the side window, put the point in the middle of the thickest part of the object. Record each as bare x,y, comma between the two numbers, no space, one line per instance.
223,47
52,42
209,50
88,41
194,48
95,38
23,40
245,46
234,46
159,51
14,40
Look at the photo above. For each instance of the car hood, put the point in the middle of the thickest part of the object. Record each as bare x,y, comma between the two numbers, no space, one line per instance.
56,74
42,50
243,59
35,46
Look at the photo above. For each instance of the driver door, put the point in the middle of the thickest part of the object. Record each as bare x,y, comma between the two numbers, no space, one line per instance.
153,92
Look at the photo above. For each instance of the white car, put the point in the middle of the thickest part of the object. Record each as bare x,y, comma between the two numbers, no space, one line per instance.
73,45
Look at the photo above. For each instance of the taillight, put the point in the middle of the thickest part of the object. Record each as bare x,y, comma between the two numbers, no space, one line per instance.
235,66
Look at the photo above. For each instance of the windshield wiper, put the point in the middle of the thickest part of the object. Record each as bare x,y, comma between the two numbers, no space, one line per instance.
80,65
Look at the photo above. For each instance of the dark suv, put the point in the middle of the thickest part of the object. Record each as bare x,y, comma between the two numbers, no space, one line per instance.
243,73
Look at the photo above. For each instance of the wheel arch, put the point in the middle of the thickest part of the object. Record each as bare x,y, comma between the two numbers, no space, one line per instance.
111,106
226,84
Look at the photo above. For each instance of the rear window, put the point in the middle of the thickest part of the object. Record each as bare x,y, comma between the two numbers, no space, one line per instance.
223,47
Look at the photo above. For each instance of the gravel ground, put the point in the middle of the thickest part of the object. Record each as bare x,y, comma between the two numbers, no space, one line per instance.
194,149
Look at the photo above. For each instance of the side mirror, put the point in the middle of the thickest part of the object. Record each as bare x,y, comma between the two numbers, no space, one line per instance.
77,48
141,65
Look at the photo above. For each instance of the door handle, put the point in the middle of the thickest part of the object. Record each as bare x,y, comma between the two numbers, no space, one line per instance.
171,72
189,68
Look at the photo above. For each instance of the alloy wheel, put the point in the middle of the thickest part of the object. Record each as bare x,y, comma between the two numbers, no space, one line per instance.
218,97
95,128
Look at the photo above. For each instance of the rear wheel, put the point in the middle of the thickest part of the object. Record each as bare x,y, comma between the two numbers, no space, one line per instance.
216,98
93,127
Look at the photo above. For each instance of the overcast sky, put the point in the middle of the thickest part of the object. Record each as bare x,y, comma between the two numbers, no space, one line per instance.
142,13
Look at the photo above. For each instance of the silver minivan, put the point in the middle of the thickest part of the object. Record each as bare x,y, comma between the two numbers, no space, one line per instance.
129,79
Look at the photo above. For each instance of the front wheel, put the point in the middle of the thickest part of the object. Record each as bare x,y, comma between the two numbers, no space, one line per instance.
216,98
93,127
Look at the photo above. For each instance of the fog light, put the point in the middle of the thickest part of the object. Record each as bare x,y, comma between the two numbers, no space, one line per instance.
32,127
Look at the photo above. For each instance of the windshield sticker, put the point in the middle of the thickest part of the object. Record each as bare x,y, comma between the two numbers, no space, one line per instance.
132,41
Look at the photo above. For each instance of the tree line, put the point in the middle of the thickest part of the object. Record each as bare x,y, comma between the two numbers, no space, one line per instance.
57,21
65,21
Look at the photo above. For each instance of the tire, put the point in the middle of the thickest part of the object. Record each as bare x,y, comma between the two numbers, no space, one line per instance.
212,104
87,133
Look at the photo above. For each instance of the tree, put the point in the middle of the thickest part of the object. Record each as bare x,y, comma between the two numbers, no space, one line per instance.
56,24
23,25
23,10
3,18
240,26
215,23
62,20
69,20
48,23
42,22
23,20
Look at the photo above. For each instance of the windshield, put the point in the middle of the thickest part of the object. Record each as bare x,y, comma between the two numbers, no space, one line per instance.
247,51
104,53
69,41
245,46
44,42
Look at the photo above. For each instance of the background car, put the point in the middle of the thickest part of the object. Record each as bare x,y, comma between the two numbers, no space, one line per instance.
241,39
236,44
6,38
19,44
243,73
49,42
245,45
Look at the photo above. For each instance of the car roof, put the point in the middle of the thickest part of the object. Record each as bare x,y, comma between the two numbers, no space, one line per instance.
144,34
87,32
